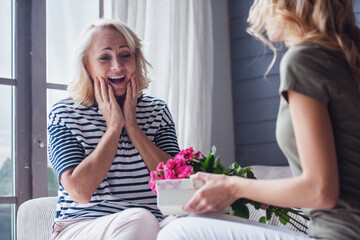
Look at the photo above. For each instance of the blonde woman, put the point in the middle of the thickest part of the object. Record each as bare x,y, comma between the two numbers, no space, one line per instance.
318,129
106,137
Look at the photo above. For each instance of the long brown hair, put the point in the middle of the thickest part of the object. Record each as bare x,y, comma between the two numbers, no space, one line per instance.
329,23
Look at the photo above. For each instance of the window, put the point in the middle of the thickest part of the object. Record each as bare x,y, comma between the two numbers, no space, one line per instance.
33,76
7,97
64,21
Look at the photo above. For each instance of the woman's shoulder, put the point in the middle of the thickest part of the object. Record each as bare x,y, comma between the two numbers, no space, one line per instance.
66,103
67,107
311,58
310,54
70,104
146,100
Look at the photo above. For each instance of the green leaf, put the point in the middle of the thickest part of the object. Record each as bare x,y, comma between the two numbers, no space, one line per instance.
262,220
249,173
240,209
233,166
257,205
218,167
269,213
217,162
284,218
209,163
217,171
213,150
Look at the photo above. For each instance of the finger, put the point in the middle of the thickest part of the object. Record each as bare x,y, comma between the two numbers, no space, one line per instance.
98,96
202,207
199,208
128,91
104,90
111,94
191,205
198,175
134,86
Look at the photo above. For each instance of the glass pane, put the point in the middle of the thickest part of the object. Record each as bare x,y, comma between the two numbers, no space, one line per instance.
53,96
5,39
64,21
6,161
6,221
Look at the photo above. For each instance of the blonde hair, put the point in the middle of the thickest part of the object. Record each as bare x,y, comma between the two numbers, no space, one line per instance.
81,87
329,23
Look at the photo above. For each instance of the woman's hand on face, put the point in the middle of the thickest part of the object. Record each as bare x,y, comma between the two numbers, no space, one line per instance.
216,194
129,108
108,105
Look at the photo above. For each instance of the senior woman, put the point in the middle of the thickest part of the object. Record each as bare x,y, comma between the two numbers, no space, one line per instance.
106,137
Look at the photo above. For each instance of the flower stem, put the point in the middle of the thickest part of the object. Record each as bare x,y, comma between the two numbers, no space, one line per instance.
280,213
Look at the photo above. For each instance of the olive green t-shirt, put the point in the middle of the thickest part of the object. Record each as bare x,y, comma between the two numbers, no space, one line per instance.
323,75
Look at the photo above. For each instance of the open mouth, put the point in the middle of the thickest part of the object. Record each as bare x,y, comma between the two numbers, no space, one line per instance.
117,79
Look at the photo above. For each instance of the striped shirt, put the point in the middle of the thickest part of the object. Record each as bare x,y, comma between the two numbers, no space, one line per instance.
73,135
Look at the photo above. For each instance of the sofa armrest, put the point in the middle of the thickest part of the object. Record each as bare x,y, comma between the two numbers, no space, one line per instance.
35,218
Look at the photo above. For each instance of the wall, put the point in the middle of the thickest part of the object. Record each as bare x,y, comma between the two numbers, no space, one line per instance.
222,134
255,100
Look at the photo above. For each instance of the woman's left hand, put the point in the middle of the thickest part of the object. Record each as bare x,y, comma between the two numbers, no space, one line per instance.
129,108
217,193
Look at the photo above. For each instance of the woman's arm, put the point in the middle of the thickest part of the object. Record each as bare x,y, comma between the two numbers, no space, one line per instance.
318,185
151,154
82,181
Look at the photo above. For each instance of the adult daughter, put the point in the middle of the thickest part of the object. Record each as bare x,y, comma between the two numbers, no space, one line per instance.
318,129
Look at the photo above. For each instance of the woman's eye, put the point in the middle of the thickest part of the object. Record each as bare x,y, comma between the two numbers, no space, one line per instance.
104,58
126,55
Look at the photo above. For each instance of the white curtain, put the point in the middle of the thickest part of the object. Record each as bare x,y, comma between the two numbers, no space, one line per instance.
178,42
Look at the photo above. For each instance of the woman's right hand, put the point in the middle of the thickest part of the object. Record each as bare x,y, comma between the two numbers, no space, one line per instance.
108,105
216,194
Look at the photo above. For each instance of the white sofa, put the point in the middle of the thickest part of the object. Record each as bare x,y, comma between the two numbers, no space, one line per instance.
35,216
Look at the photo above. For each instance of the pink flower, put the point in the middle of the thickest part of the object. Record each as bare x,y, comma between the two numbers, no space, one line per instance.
170,174
198,154
179,160
153,177
152,185
170,164
160,167
183,171
178,168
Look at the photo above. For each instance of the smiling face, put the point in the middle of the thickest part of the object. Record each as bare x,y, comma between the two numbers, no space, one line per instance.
110,57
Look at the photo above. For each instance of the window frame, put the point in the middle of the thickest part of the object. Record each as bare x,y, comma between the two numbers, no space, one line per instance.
29,86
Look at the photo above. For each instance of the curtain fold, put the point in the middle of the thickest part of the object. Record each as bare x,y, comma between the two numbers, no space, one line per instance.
178,42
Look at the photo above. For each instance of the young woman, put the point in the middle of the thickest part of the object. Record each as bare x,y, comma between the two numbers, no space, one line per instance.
106,137
318,129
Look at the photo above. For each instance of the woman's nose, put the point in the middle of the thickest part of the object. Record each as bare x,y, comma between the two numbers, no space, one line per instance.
116,64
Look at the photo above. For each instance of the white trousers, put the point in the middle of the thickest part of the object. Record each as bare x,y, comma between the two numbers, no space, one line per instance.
220,226
130,224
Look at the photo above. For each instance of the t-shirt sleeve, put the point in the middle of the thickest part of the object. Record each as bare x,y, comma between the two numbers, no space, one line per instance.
165,137
304,70
64,150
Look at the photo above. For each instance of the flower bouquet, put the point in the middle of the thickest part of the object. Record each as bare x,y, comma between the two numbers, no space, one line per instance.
188,162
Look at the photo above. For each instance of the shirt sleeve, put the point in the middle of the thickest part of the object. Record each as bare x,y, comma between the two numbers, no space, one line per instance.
64,150
165,137
304,70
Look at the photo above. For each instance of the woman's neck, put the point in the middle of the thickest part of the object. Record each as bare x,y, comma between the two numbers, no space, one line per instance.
121,100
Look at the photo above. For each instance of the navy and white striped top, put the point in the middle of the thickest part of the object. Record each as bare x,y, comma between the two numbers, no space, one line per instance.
74,134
